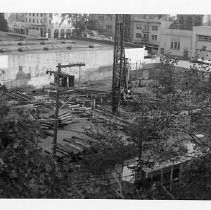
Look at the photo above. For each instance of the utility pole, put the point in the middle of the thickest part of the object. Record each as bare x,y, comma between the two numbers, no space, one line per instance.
119,63
58,74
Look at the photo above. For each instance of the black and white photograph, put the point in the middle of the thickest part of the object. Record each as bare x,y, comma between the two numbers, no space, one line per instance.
105,105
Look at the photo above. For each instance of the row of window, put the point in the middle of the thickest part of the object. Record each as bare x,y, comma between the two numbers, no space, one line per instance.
147,27
107,17
175,45
146,36
35,21
204,38
35,14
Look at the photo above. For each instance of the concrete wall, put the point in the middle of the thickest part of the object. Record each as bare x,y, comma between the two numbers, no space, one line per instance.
98,64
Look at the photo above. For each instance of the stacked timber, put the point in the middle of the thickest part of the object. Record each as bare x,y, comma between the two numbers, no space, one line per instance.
76,146
64,117
17,95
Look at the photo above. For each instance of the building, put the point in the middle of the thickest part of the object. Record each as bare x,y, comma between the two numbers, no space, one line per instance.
188,36
41,24
37,24
201,42
148,31
61,26
187,22
106,22
176,42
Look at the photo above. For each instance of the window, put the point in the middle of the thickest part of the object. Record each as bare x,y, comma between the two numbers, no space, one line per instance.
154,28
33,14
138,27
204,38
37,21
146,36
41,14
108,27
154,37
175,45
30,20
109,17
40,21
146,27
33,21
101,17
138,35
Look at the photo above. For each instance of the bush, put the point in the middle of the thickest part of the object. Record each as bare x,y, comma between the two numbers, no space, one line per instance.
45,48
69,48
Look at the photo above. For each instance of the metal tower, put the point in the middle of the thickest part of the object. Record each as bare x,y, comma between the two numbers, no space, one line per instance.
119,83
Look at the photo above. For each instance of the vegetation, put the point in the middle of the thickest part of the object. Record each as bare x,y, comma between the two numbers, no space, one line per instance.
26,171
3,23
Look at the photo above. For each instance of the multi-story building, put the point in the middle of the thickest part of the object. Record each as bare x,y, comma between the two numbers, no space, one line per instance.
106,22
176,42
146,30
201,42
186,39
41,24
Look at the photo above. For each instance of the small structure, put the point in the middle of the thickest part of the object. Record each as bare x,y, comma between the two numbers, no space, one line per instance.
167,172
66,80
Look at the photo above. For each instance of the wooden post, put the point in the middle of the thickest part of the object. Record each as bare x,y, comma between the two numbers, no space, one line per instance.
55,130
79,77
180,173
171,176
161,178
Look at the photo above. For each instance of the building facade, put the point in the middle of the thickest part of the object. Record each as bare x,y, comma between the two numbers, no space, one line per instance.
176,42
201,42
106,22
148,31
41,24
187,43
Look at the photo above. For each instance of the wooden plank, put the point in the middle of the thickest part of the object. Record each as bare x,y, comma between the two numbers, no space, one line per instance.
66,148
72,148
74,141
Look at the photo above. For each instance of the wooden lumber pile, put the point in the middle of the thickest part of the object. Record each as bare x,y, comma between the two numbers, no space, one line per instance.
47,121
17,95
76,147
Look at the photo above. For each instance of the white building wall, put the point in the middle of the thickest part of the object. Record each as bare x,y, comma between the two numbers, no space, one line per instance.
155,28
202,48
183,37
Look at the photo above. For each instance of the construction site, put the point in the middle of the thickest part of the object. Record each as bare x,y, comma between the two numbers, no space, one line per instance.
84,90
